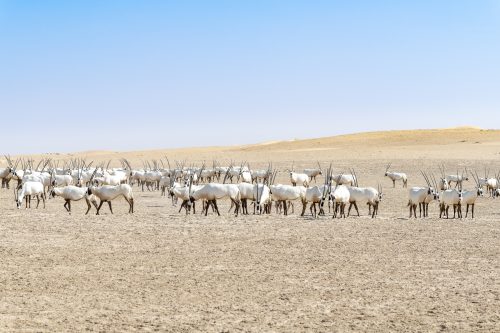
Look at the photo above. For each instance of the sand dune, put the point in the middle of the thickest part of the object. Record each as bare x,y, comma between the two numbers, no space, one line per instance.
459,143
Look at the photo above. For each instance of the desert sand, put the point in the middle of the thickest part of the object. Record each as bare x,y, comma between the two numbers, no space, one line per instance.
160,270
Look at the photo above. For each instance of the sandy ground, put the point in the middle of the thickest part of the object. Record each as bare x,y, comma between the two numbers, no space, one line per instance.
160,270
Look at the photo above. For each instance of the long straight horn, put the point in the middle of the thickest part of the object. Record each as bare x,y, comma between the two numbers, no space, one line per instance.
47,161
435,182
388,166
477,179
275,175
257,187
168,162
38,165
425,178
355,177
225,176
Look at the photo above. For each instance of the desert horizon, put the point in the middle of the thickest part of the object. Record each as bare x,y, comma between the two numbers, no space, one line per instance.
460,139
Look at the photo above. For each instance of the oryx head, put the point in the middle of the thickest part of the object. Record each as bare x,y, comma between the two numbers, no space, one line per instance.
387,169
319,168
479,188
444,185
380,193
431,185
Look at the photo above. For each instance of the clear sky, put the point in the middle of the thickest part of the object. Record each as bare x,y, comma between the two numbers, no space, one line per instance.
128,75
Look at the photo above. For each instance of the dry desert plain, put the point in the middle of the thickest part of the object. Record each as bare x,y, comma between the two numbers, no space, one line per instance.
160,270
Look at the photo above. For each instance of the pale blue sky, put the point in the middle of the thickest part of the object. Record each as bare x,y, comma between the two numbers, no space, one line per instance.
128,75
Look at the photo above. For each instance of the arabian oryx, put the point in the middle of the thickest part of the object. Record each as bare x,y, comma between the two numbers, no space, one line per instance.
422,196
396,176
469,197
313,173
457,179
368,195
26,191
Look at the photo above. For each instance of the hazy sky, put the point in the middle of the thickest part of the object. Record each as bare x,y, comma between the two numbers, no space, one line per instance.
127,75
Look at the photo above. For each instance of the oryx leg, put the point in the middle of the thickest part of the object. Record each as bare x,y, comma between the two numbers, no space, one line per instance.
88,206
183,205
375,209
304,206
349,209
131,205
99,208
237,203
66,202
356,207
214,202
205,206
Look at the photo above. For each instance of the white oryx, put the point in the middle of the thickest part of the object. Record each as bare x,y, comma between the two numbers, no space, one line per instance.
212,192
457,179
422,196
178,191
344,179
246,193
443,183
452,197
260,175
5,177
396,176
318,194
28,190
313,173
60,180
108,193
262,199
491,183
297,178
283,194
368,195
469,197
340,198
73,193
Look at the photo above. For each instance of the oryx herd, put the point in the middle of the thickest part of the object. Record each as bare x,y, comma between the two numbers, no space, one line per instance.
73,181
323,190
